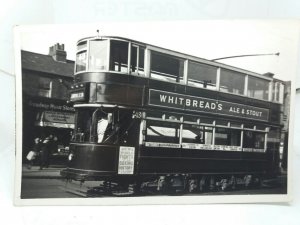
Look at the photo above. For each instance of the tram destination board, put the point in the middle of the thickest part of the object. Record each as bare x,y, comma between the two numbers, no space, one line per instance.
200,104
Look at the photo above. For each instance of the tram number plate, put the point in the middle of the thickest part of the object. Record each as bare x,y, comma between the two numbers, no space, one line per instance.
126,160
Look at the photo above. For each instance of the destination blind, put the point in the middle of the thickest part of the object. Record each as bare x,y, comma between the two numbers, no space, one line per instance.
193,103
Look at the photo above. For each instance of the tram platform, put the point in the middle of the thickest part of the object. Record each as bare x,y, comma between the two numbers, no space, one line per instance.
52,172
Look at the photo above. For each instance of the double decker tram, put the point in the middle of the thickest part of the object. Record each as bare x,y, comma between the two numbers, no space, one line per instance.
163,120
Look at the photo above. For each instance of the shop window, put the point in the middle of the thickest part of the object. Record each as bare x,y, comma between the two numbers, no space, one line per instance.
119,56
162,132
38,86
258,88
201,75
98,55
137,60
166,67
227,137
232,82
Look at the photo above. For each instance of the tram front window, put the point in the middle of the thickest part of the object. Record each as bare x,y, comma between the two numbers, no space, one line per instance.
98,55
98,126
93,125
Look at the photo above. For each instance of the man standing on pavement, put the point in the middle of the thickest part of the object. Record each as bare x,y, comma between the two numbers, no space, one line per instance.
45,152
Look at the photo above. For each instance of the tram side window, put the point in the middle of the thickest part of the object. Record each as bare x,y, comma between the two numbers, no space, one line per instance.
229,137
98,55
201,75
81,59
137,60
162,132
166,67
253,139
232,82
197,134
118,56
81,56
258,88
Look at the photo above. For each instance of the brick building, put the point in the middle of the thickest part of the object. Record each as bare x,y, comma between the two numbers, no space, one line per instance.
45,83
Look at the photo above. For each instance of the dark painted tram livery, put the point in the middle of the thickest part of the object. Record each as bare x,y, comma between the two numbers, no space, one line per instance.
157,118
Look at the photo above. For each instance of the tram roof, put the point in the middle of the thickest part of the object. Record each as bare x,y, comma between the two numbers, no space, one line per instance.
183,55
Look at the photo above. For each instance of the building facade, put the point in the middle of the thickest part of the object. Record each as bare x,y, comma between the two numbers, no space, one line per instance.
45,83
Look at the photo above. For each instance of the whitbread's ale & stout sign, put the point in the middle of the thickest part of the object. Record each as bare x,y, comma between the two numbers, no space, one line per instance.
193,103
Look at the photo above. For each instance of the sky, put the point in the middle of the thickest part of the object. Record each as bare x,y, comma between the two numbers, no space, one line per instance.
205,39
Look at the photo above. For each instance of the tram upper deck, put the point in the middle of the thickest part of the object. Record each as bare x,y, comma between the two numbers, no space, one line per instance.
125,56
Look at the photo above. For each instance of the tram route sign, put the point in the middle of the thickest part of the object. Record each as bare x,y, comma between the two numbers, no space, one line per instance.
200,104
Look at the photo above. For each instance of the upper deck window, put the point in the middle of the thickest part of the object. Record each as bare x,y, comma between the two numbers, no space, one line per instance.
81,46
98,55
201,75
258,88
119,56
232,82
166,67
81,56
137,60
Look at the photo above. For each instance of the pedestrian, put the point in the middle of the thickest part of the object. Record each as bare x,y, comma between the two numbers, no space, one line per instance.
32,155
45,152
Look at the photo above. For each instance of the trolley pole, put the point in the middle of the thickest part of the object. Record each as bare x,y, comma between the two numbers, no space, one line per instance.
238,56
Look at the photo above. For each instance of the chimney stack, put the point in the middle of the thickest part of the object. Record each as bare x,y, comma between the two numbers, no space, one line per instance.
58,52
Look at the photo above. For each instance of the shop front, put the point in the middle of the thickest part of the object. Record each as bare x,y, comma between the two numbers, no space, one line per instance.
43,117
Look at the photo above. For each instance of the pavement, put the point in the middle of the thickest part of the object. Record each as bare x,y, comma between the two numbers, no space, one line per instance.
52,172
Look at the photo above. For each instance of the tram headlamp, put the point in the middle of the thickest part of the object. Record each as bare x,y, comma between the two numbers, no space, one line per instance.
70,157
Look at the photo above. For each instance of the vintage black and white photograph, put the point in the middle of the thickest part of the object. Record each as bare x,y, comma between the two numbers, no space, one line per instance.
155,112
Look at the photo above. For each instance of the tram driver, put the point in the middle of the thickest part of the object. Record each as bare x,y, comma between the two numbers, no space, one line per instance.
102,125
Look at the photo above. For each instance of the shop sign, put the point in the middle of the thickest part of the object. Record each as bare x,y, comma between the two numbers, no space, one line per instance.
56,119
50,106
200,104
59,117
